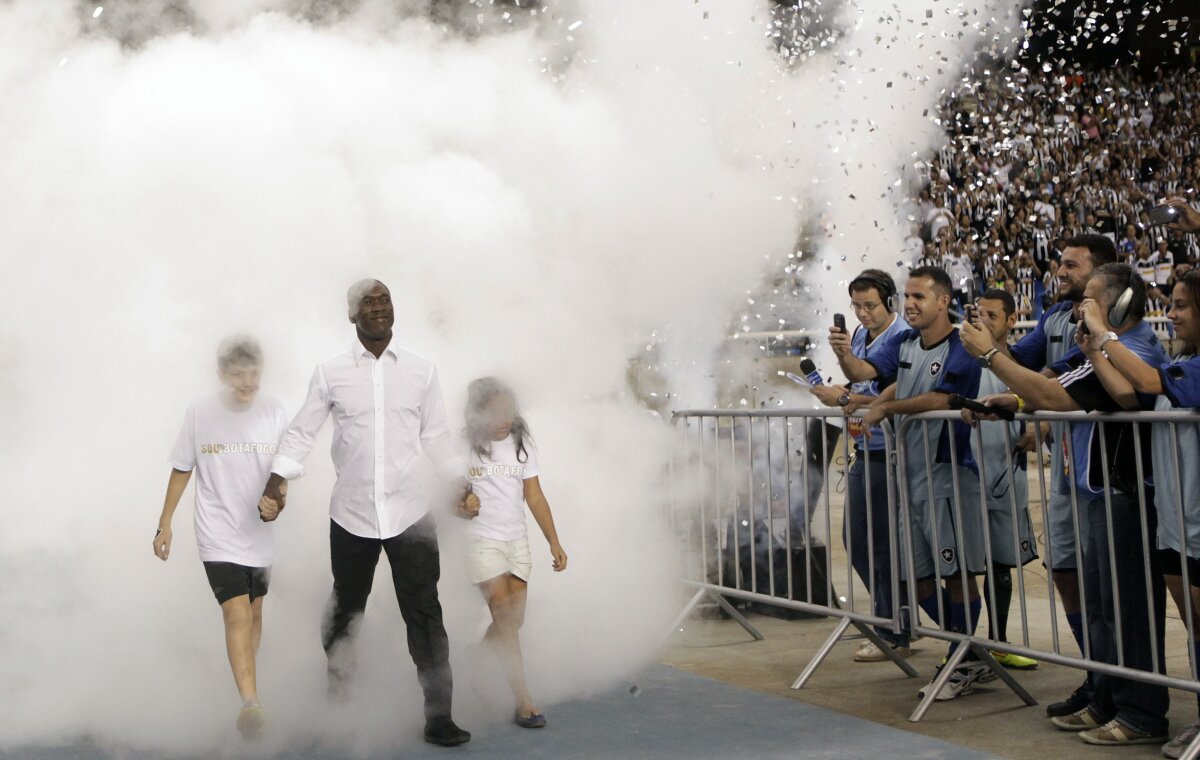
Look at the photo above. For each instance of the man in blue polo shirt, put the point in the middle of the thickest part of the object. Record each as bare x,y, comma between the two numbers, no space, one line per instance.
866,520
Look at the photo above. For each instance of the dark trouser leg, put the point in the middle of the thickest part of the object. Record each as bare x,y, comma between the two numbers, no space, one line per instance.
352,559
416,568
1140,706
870,546
1098,588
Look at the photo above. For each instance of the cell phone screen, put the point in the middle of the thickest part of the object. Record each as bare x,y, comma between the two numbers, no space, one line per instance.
1162,215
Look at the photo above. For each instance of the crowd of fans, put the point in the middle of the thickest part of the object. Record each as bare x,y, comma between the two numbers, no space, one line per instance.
1035,158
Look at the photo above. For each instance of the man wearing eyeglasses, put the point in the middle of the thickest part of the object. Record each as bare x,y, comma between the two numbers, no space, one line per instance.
872,296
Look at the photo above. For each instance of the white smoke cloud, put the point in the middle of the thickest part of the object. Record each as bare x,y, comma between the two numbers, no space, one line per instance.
540,200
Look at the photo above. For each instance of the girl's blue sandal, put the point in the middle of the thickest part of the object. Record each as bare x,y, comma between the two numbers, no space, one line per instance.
536,720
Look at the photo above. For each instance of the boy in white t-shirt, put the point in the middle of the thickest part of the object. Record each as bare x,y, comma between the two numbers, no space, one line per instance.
503,477
230,440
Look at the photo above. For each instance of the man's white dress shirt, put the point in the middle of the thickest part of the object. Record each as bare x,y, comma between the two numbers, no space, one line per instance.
387,413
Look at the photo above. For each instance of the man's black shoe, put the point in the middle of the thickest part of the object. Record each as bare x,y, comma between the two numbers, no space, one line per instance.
1079,699
444,733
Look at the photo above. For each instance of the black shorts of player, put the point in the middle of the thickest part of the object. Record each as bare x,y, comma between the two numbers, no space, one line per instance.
1169,561
230,580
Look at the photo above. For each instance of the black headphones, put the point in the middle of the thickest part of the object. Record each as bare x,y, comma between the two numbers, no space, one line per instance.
1119,312
883,283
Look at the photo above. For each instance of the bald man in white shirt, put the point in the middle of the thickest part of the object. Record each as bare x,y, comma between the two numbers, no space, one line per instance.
387,412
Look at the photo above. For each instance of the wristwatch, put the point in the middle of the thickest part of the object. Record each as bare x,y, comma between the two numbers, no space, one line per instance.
1106,337
844,399
985,361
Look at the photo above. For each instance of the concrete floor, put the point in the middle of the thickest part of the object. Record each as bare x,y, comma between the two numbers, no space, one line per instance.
670,715
991,720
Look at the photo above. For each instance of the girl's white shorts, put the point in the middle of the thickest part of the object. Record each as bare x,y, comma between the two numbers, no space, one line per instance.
488,558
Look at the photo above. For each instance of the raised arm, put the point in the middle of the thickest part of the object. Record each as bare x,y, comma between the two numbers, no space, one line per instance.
882,366
854,368
1136,374
295,446
1037,390
1115,383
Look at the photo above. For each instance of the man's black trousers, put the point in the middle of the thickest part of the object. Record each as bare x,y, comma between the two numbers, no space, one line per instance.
413,556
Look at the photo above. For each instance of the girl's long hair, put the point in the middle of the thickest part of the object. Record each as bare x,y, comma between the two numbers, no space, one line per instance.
480,393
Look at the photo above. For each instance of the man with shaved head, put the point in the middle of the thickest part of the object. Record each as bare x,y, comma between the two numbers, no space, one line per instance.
387,412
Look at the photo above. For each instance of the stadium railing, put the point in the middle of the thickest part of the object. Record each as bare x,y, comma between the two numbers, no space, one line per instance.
1046,644
1161,325
748,485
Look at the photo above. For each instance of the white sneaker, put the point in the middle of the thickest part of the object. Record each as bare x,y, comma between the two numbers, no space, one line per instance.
961,681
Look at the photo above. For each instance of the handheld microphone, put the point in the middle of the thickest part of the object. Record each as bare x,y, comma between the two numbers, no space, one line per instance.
810,371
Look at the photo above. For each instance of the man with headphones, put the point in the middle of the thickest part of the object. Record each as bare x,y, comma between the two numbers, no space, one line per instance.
1110,489
871,297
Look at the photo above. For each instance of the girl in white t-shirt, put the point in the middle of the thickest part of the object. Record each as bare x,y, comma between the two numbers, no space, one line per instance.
229,441
503,478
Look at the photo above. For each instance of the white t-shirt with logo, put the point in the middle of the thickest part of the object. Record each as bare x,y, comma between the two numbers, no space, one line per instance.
231,451
499,482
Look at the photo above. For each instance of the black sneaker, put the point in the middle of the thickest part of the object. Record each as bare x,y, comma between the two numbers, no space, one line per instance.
1079,699
444,733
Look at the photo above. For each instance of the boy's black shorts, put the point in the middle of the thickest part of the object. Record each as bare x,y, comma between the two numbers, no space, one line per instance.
230,580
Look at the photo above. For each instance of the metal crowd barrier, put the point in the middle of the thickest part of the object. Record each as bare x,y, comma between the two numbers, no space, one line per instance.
752,499
1037,646
745,487
1161,325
